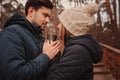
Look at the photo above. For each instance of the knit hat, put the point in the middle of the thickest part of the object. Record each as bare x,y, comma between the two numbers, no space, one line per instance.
77,20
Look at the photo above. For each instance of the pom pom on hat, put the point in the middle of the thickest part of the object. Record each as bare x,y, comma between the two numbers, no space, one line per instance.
78,19
91,8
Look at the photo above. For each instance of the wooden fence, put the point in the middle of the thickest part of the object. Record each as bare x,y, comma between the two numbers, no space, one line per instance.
111,59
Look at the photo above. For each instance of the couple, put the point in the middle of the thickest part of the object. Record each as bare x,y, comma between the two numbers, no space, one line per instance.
25,55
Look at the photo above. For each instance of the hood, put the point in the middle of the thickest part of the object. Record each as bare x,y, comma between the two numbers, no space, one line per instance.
20,20
88,42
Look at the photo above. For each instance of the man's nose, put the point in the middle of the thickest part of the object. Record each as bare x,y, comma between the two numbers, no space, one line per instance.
47,19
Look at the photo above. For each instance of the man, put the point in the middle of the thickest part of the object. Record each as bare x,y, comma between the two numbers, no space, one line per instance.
23,56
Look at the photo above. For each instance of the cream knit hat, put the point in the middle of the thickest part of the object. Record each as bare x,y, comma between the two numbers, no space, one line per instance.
77,20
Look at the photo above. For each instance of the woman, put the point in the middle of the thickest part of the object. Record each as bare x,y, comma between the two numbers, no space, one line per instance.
80,50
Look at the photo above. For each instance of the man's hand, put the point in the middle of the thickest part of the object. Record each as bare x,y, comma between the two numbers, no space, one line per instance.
51,48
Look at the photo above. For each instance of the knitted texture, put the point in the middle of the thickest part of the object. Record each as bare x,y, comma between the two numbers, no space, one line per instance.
77,20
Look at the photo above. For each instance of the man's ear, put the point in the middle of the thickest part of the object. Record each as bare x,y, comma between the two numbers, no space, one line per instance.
31,12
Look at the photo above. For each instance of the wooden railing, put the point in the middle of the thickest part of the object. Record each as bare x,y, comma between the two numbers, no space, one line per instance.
111,59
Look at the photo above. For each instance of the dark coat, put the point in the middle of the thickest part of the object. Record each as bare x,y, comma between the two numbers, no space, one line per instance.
76,63
21,55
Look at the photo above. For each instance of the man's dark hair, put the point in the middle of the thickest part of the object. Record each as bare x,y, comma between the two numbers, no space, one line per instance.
36,4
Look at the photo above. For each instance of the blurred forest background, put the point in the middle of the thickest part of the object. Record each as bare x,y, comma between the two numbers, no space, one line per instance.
106,30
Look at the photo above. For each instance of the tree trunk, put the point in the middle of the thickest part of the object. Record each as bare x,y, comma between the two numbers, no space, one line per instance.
115,15
54,13
113,26
109,10
98,15
119,24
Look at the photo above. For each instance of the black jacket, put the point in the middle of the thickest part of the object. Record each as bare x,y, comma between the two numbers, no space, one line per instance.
21,56
76,63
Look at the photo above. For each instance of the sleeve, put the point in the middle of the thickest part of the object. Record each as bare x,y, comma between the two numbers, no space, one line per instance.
13,65
71,65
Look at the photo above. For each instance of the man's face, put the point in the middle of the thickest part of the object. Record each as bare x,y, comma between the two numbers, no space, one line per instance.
40,17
